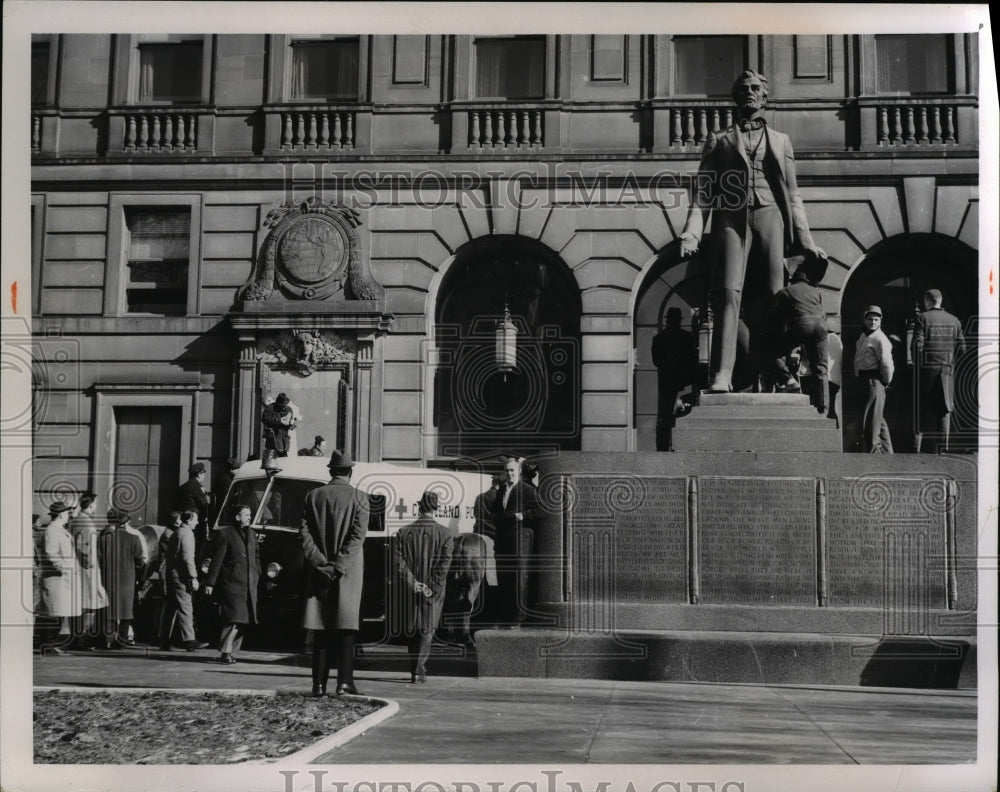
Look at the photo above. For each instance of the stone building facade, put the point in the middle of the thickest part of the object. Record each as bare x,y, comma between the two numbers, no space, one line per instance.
217,219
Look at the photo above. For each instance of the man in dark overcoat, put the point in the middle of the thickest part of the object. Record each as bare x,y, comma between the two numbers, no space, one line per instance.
233,575
121,559
277,421
514,515
676,361
937,341
334,525
422,552
84,529
191,496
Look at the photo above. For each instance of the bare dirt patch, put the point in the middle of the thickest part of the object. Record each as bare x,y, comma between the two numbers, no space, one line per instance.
161,727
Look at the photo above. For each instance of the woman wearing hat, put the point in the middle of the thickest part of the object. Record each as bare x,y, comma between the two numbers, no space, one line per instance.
422,552
61,592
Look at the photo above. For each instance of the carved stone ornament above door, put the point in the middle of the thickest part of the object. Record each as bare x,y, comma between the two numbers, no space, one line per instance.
312,252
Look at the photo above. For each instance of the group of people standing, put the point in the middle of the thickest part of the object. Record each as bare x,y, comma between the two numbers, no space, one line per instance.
86,574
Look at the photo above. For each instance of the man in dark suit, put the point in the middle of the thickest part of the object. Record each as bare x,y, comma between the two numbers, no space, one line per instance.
676,362
318,447
235,571
747,183
191,496
514,515
422,552
334,525
937,341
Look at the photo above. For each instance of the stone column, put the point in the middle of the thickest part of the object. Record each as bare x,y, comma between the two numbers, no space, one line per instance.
363,436
245,406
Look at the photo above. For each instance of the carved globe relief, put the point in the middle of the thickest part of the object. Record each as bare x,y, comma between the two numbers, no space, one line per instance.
312,256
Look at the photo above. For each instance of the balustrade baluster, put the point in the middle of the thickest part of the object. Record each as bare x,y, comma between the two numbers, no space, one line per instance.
488,131
338,131
130,133
154,142
883,126
949,126
714,126
729,118
702,124
501,131
688,125
475,142
312,132
922,124
349,130
511,129
935,131
525,137
537,135
300,130
192,132
181,133
286,135
36,134
908,126
897,131
168,133
324,130
675,127
143,133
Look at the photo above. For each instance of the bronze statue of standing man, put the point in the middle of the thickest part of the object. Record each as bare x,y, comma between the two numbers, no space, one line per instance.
747,183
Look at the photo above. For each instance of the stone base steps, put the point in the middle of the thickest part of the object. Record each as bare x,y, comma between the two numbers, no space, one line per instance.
730,657
756,422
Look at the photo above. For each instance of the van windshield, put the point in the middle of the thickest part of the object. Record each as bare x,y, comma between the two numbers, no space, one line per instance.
248,492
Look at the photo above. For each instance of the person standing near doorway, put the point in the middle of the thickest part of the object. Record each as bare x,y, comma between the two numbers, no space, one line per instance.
874,368
515,511
937,342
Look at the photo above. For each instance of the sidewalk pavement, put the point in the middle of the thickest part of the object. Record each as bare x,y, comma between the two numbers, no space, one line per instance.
467,720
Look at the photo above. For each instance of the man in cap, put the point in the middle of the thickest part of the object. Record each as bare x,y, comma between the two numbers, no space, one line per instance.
422,553
277,421
60,593
747,183
937,341
121,561
874,368
334,525
318,447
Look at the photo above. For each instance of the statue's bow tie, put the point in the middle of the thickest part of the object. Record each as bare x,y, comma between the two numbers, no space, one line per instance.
752,123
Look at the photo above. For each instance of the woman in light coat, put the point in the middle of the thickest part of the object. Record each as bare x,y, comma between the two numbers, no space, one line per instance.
61,591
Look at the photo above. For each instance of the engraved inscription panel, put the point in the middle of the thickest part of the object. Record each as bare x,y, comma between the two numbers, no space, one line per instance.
629,539
886,545
757,540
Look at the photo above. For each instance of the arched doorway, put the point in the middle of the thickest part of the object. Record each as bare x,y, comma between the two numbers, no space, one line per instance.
479,410
894,276
669,283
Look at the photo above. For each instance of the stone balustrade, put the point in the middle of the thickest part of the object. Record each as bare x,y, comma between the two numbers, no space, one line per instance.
506,127
318,129
160,131
691,125
916,124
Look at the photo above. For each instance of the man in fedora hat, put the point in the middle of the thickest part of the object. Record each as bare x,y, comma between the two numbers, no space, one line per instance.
277,420
422,552
937,342
334,525
191,496
874,368
120,557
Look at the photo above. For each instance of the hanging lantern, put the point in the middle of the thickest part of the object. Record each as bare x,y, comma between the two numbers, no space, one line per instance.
506,349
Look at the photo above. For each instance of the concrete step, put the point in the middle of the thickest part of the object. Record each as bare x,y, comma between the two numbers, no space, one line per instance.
753,399
723,438
756,411
730,657
811,422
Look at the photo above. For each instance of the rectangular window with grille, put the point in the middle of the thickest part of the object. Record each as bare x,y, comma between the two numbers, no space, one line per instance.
917,63
325,69
171,71
708,65
159,240
510,68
